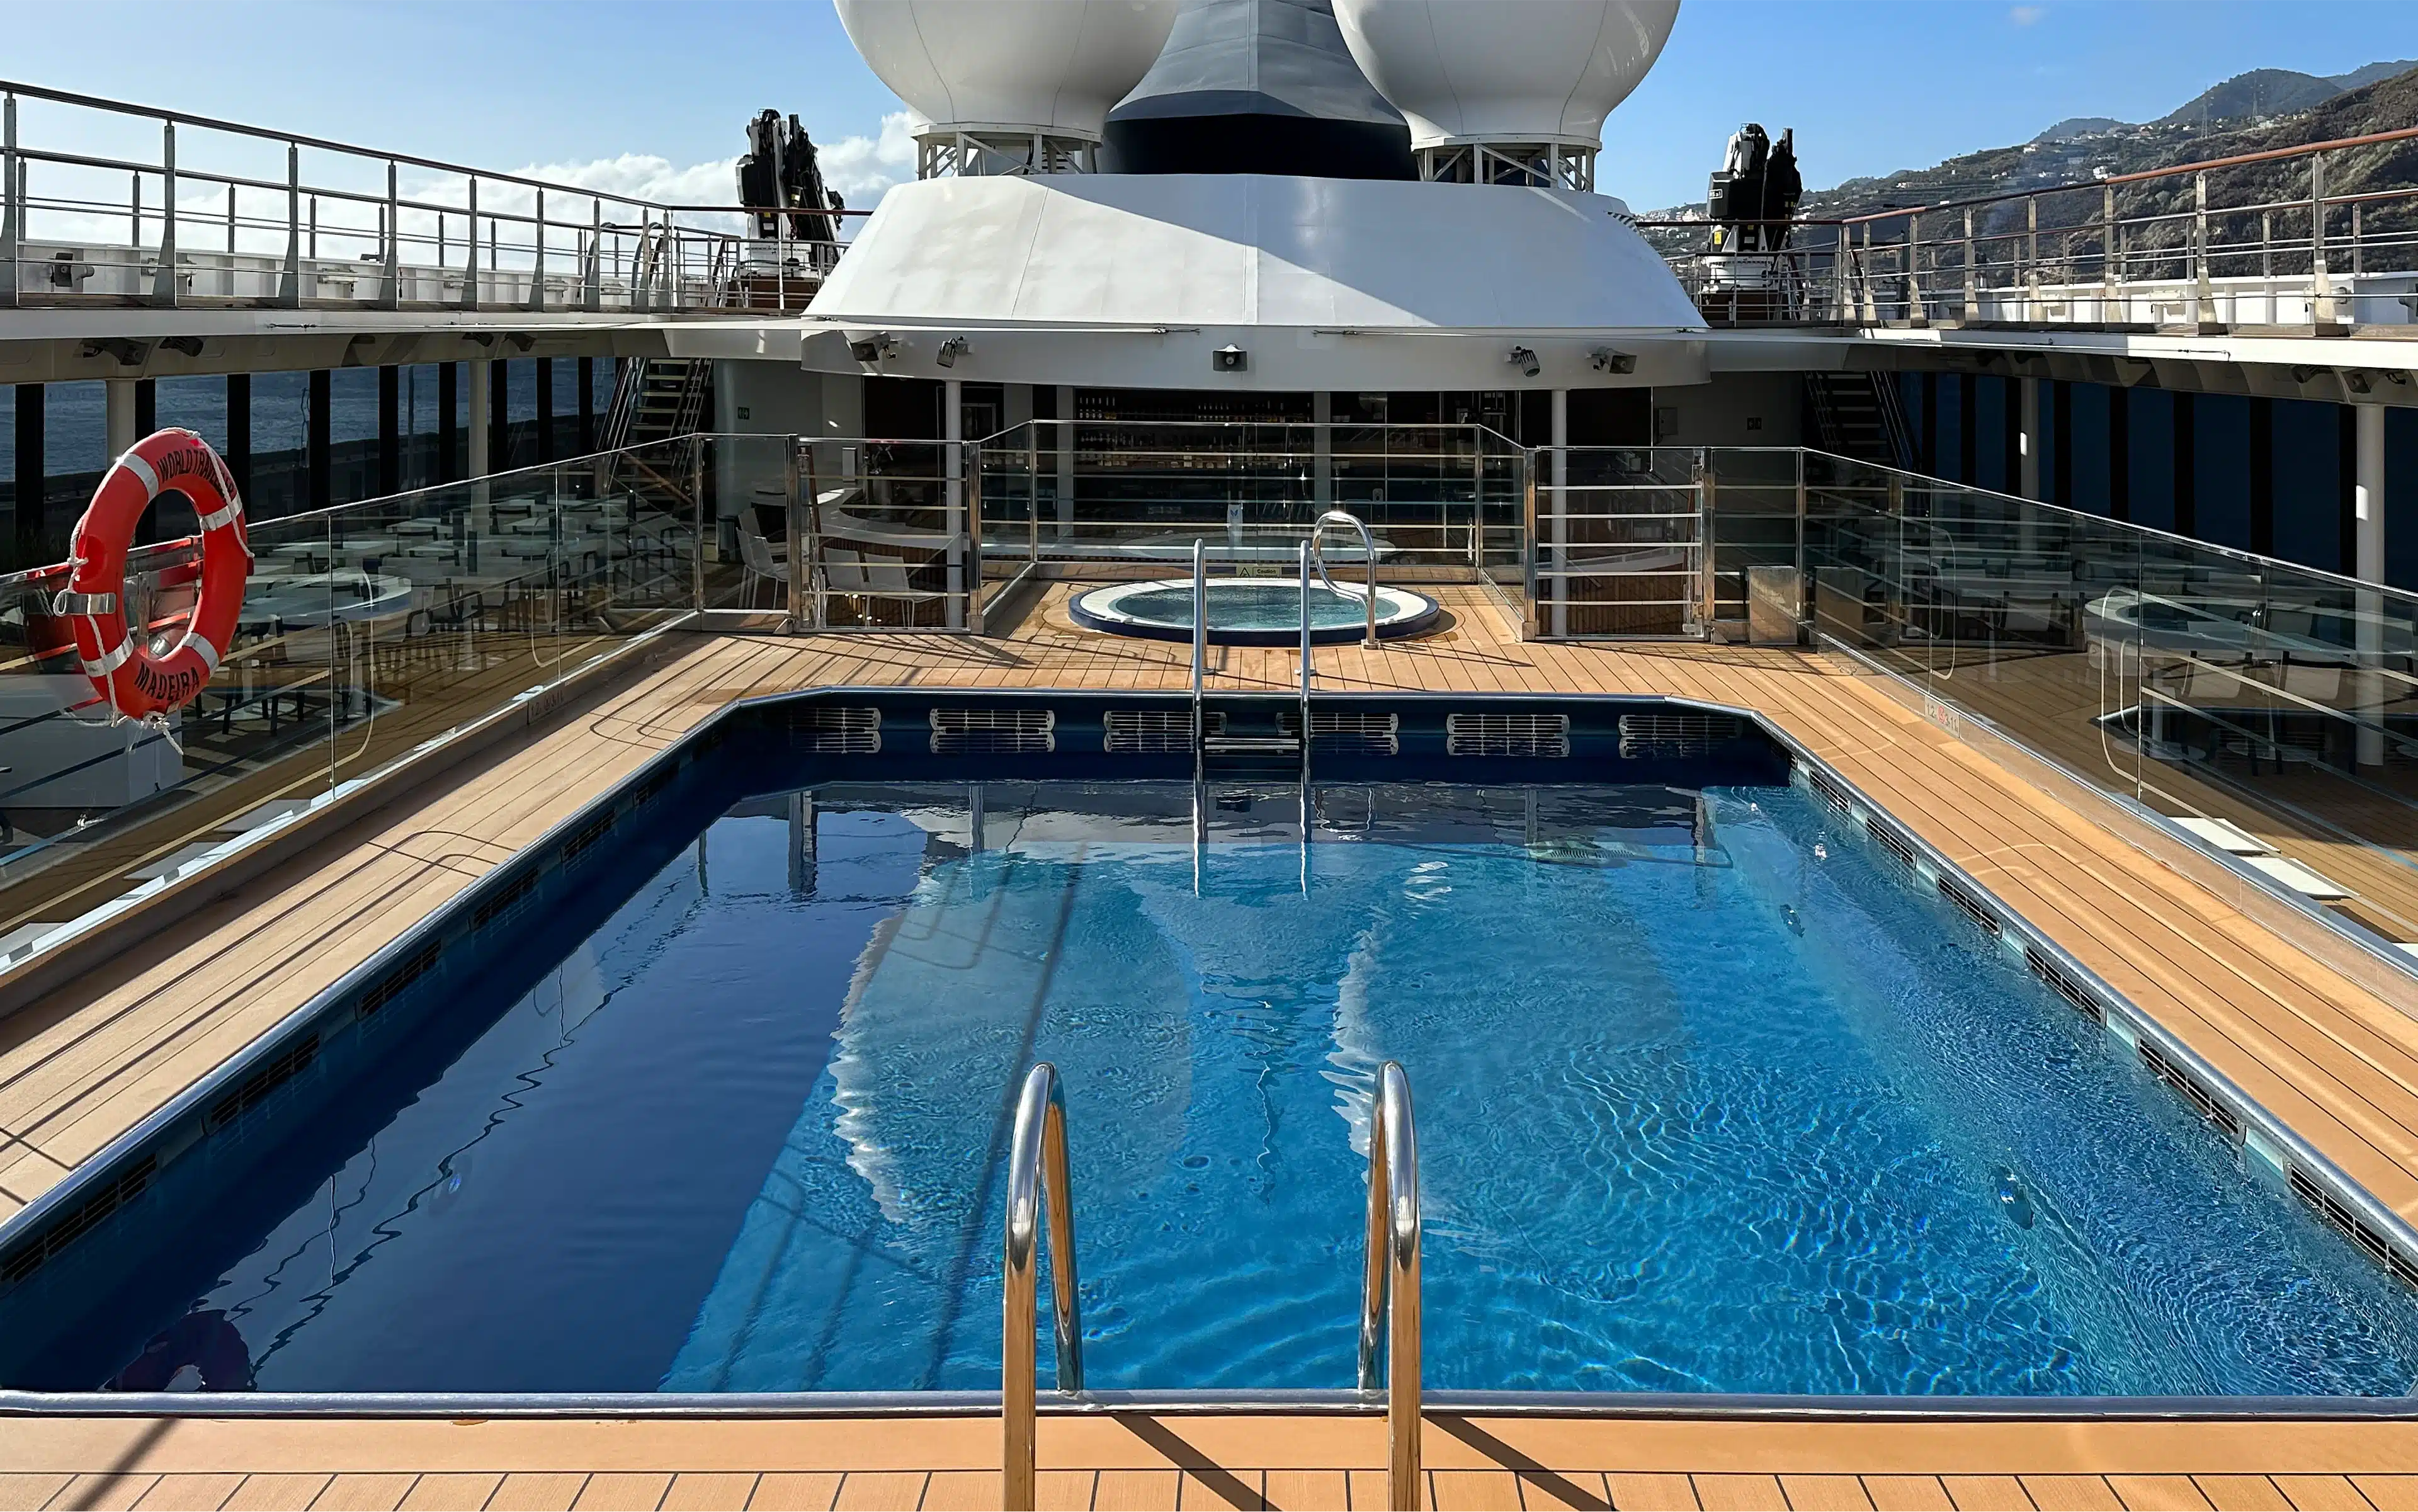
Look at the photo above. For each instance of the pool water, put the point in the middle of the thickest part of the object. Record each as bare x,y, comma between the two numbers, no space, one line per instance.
1240,604
1708,1099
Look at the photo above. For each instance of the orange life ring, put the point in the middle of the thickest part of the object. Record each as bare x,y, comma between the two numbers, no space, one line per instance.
135,682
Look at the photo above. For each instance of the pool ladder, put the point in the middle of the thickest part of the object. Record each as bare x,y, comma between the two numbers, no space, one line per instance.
1389,1280
1205,745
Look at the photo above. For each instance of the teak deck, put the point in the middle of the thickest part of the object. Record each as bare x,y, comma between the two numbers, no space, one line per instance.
2333,1060
1130,1460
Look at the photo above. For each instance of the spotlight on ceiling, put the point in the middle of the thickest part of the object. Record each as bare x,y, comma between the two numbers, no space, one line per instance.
1604,360
1525,361
190,345
872,348
955,347
2356,382
2303,375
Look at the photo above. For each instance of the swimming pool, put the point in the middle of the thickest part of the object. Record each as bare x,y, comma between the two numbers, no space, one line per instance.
1709,1100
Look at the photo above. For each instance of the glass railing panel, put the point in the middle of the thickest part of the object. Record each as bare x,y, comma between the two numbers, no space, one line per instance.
2272,707
1618,539
890,534
365,632
1753,520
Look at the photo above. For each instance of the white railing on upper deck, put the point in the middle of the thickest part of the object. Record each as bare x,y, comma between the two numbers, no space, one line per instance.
2262,240
110,204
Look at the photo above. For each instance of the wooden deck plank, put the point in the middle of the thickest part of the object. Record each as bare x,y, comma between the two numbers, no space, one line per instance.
184,1493
1825,1493
810,1491
2241,1493
2321,1493
296,1494
449,1492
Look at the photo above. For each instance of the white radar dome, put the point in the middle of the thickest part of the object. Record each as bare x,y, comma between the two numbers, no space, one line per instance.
1054,66
1506,71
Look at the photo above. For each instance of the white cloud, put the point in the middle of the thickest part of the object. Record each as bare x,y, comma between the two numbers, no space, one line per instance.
861,168
2025,15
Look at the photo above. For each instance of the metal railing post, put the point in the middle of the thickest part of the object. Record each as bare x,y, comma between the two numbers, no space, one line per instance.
1037,1174
391,279
2206,290
1972,274
537,266
2321,289
163,282
1389,1281
470,247
289,282
794,515
13,196
973,536
1918,307
1304,660
2107,269
592,296
1708,589
2031,257
1529,620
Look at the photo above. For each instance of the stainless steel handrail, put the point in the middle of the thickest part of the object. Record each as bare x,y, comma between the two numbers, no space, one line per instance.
1389,1281
1368,550
1304,668
1036,1164
1200,645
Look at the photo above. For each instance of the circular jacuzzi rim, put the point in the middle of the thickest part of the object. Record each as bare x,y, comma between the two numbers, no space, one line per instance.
1399,613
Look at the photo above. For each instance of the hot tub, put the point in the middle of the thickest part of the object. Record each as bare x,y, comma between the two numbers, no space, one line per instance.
1251,611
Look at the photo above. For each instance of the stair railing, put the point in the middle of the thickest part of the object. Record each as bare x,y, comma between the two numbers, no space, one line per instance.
1036,1169
1389,1281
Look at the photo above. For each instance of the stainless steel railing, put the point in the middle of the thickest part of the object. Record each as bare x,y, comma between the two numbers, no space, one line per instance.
1036,1166
212,219
1199,647
2256,238
1368,551
1389,1284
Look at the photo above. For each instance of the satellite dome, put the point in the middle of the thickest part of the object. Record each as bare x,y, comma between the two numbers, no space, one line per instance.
1541,72
1051,66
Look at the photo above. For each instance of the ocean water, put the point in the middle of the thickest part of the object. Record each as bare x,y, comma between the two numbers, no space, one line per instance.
75,429
1707,1099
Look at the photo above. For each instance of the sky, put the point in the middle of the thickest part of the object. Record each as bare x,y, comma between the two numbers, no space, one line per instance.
652,98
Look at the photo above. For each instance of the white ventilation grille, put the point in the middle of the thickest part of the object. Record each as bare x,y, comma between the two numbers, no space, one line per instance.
1156,731
1507,735
1677,732
1346,730
994,731
838,731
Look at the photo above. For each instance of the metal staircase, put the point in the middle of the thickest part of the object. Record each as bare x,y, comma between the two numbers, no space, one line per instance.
1858,415
656,399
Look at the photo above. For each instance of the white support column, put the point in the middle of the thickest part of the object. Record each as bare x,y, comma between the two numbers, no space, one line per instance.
481,407
1558,589
2367,507
2028,443
1065,429
1322,414
953,431
118,416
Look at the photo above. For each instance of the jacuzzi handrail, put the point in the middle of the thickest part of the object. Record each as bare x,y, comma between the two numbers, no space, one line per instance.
1036,1169
1369,553
1389,1280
